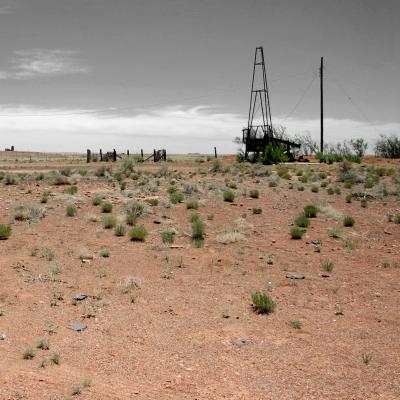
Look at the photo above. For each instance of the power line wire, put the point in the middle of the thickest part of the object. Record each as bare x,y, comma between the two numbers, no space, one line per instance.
301,98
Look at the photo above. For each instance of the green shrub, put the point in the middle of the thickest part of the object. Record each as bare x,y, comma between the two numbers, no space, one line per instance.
5,231
335,233
168,237
45,196
70,210
262,303
303,179
105,253
331,191
176,197
254,194
257,210
28,353
273,155
138,233
364,203
310,211
315,189
42,344
302,221
153,202
130,218
349,198
97,200
71,190
109,222
192,204
300,188
324,184
119,230
106,207
328,266
198,228
296,232
229,196
272,184
348,221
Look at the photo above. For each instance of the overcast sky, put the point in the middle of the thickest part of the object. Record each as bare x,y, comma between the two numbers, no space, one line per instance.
176,74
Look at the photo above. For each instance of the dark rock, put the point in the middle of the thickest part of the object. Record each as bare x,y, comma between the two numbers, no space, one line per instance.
295,276
157,222
3,336
325,275
76,326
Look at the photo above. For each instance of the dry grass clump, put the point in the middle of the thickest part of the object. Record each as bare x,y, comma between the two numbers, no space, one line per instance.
229,237
29,213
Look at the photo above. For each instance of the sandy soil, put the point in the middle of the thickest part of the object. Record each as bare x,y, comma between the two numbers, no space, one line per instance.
172,336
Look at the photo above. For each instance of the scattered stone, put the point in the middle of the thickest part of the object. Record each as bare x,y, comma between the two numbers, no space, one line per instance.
325,275
85,260
241,342
295,276
76,326
80,297
157,222
270,260
3,336
315,242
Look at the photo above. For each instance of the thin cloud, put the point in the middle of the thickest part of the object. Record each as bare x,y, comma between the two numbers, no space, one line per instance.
40,63
179,129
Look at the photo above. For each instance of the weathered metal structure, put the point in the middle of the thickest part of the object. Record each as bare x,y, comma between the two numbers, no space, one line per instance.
257,135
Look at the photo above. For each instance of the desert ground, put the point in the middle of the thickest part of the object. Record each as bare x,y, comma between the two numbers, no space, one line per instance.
170,314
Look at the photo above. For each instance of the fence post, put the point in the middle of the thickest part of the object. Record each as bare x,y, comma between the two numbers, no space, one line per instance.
88,156
215,152
127,153
101,155
114,155
141,153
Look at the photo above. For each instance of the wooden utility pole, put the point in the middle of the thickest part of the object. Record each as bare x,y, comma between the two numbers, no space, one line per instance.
321,75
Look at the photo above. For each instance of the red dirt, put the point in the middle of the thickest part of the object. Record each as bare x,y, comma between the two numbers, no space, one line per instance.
173,342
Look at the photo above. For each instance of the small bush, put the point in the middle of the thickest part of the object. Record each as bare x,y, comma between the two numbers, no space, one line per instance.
97,200
364,203
192,204
257,210
254,194
42,344
315,189
71,190
328,266
296,232
302,221
119,230
198,228
28,353
335,233
138,233
272,184
262,303
348,221
55,358
176,197
300,188
70,211
106,207
310,211
109,222
229,196
5,231
168,237
130,218
330,191
153,202
105,253
45,196
349,198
